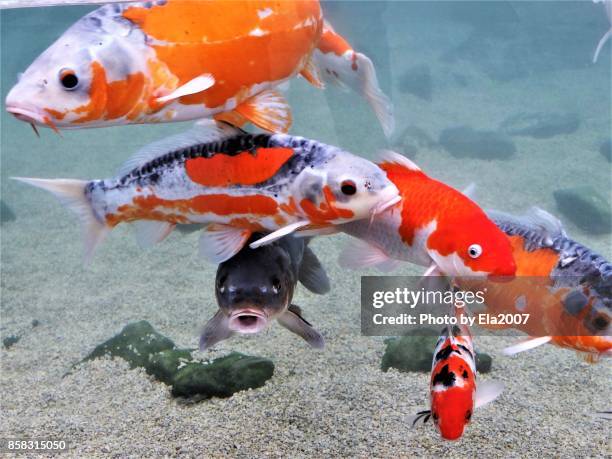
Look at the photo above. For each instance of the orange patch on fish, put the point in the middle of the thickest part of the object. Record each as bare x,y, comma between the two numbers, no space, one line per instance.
97,95
226,42
153,208
540,262
289,208
123,95
331,42
110,100
55,114
241,169
326,211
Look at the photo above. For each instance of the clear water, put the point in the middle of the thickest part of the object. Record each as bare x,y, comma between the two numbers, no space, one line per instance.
487,61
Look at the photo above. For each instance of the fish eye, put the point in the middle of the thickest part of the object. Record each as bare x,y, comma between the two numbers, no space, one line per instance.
68,79
600,323
221,284
474,250
276,285
468,415
348,187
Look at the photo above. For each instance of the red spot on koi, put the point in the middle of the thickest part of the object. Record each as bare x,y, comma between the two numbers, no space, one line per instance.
326,211
242,169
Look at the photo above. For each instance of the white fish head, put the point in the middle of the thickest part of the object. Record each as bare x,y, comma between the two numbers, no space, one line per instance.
344,188
67,86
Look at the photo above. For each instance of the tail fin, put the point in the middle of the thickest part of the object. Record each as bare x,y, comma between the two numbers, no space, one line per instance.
339,64
71,193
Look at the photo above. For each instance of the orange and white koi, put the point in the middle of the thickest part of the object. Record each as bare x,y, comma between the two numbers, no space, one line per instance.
233,183
177,60
453,391
564,286
433,225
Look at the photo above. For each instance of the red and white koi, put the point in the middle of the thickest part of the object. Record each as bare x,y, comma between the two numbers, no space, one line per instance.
233,183
433,225
177,60
453,392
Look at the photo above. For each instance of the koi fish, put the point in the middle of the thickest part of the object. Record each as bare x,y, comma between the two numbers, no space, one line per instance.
433,225
608,7
231,182
255,287
177,60
564,286
453,392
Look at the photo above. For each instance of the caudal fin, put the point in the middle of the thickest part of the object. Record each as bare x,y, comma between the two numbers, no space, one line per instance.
339,64
71,193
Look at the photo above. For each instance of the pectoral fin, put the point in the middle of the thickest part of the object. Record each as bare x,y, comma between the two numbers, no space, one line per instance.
280,233
358,254
215,330
219,243
526,345
268,110
150,232
312,275
293,321
486,392
198,84
311,73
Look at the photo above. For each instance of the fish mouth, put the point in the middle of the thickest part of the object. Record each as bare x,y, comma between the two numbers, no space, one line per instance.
32,117
381,207
389,197
248,321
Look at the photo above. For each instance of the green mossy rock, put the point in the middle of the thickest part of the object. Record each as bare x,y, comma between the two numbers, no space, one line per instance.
165,364
135,343
222,377
586,207
410,352
141,346
484,362
414,352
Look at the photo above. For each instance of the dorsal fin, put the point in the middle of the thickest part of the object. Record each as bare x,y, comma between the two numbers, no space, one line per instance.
205,131
535,219
392,157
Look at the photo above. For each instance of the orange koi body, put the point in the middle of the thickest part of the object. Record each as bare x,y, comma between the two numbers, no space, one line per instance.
177,60
564,287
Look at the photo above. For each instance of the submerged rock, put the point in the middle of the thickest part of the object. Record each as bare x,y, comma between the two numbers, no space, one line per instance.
465,142
222,377
410,352
414,352
417,81
135,343
165,364
6,213
541,125
10,341
141,346
411,139
606,149
484,362
586,207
